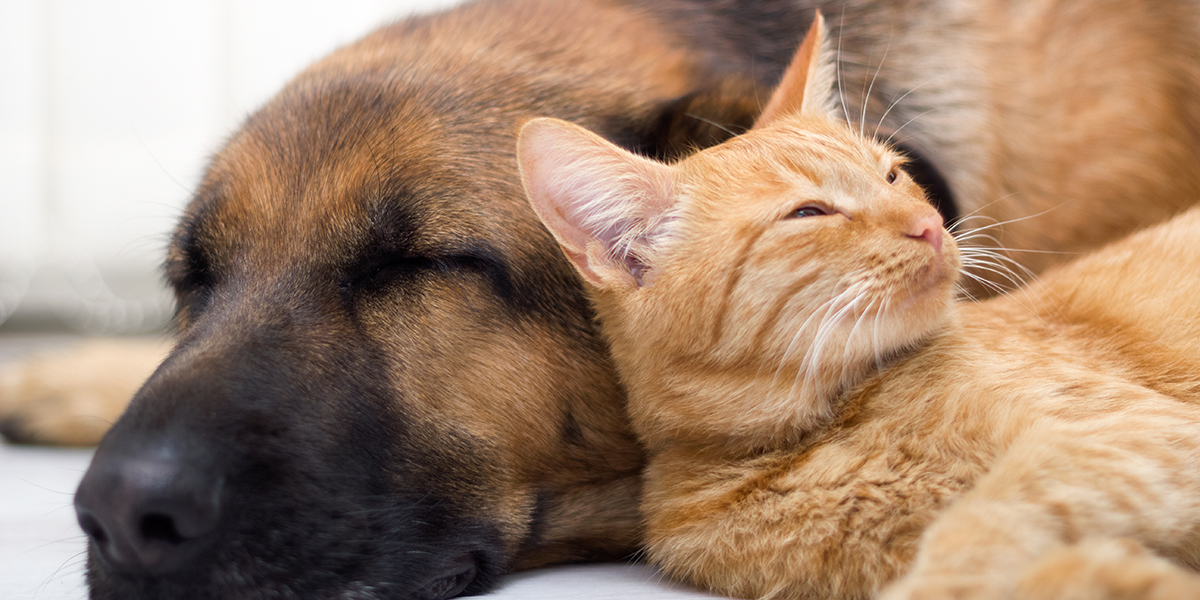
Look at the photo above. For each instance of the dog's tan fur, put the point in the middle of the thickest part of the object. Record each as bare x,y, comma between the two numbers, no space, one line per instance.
1073,121
1075,127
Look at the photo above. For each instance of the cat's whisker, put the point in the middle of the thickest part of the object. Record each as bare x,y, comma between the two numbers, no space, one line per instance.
981,230
821,316
1005,284
711,122
827,309
962,292
998,259
897,101
995,255
862,124
818,313
1001,290
810,367
884,307
986,283
981,265
838,63
958,234
979,269
874,308
854,306
991,258
847,360
975,213
967,239
982,254
1055,252
891,137
998,224
977,265
953,226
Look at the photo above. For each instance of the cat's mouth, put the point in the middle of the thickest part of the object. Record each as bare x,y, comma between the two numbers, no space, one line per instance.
932,279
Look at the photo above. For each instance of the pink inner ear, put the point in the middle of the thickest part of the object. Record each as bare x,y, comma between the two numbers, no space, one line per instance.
593,196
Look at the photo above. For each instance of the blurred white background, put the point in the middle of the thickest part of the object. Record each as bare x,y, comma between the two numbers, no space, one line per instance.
108,111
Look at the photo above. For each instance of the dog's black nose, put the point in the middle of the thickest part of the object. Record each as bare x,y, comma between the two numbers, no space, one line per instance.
148,512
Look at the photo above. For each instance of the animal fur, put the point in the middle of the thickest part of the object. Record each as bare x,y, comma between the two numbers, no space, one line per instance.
373,323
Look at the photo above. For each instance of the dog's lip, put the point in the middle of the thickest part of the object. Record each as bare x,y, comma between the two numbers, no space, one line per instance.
453,578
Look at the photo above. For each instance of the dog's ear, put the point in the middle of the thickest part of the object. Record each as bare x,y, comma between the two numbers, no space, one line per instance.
807,84
604,205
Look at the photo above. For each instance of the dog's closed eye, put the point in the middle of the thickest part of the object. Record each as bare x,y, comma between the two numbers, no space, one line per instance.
377,272
191,276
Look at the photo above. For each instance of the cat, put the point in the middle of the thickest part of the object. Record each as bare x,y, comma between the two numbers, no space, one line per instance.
826,419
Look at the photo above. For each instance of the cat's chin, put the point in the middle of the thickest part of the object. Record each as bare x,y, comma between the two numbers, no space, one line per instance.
926,307
933,285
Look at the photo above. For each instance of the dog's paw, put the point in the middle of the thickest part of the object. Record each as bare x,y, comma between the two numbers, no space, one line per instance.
71,397
1109,569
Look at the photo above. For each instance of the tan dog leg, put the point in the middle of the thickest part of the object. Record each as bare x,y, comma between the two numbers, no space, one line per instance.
72,396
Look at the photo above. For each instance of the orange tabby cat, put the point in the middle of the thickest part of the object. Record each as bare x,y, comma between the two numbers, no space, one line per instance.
824,419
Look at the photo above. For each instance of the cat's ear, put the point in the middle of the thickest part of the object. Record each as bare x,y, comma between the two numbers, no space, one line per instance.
604,205
807,84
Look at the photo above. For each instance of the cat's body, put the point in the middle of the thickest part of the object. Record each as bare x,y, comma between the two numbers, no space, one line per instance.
823,417
1064,414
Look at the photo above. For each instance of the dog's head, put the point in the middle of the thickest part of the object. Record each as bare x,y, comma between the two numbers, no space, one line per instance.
388,384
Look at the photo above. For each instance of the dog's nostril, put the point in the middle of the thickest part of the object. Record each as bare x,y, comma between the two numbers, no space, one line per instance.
93,529
148,514
159,527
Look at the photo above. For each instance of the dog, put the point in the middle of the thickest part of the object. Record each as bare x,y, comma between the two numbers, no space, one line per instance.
388,384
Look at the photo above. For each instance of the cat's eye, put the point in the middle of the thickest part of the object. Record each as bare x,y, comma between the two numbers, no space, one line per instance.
893,175
807,210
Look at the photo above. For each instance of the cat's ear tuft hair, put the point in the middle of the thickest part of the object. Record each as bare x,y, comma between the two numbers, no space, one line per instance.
807,86
606,206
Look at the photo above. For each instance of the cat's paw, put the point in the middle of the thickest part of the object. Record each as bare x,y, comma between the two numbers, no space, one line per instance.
71,397
919,586
1108,569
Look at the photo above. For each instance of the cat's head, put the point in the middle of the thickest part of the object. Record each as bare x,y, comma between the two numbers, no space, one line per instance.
756,279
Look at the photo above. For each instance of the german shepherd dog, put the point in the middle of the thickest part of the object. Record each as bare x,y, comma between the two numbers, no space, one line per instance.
388,384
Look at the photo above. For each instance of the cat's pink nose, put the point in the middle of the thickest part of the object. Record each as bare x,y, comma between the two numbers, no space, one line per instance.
928,228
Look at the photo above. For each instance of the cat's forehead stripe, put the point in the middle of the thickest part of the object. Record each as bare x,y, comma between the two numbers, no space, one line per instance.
828,143
813,155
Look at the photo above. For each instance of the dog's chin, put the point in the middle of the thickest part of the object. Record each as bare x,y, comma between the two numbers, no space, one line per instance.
461,576
454,579
281,564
